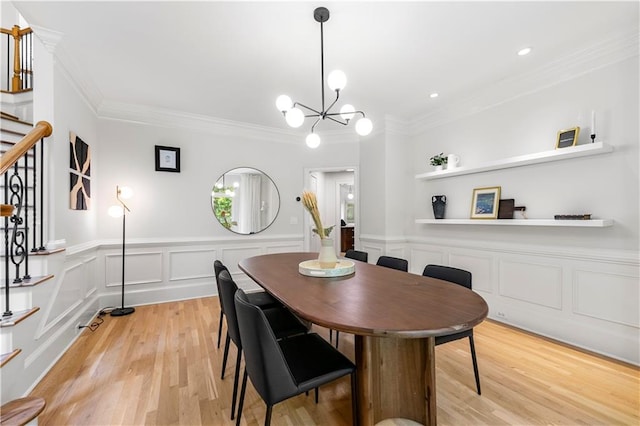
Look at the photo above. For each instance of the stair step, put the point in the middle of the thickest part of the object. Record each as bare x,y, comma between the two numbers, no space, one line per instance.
15,118
33,281
5,358
22,410
17,317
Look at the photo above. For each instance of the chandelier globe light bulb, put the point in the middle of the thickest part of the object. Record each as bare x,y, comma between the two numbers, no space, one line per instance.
295,117
313,140
284,103
347,112
337,80
364,126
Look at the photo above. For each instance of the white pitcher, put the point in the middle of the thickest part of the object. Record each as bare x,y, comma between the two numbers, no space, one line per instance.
452,161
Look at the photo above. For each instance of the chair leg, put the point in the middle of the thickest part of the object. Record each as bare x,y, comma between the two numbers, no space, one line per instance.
242,392
317,395
220,328
226,354
235,384
267,417
354,399
337,337
475,363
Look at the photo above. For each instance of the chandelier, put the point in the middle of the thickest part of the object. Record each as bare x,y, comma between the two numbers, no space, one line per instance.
336,81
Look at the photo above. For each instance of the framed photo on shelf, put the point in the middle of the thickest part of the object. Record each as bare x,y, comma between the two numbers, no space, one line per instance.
485,202
167,159
568,137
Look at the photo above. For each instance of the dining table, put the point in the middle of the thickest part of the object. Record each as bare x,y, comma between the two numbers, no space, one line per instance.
394,317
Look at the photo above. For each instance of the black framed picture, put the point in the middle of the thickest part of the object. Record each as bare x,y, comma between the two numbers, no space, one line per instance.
167,159
567,137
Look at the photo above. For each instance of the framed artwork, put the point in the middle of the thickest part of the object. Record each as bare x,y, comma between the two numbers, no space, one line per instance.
167,159
567,137
351,212
485,202
80,173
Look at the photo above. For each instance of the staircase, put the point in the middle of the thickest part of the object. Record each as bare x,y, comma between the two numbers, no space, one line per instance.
23,257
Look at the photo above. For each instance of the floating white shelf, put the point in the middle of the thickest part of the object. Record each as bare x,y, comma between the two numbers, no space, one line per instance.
593,223
522,160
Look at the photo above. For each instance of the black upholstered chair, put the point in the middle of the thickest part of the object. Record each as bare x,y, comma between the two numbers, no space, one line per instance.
282,369
259,298
393,262
362,256
463,278
282,322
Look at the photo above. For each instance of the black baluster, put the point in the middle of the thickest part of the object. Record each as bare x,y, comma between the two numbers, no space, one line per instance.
25,204
41,248
34,246
7,310
17,238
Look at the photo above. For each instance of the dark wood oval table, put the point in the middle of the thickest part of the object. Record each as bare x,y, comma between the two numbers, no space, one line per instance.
394,316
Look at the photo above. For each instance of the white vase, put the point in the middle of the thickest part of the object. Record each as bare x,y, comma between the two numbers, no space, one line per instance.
327,256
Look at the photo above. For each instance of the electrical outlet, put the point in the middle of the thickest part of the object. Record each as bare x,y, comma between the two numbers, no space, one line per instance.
78,328
501,314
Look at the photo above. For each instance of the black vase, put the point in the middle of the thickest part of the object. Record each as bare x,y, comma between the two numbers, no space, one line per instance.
438,202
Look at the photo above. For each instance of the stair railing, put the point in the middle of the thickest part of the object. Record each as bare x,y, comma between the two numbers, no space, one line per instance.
19,59
21,167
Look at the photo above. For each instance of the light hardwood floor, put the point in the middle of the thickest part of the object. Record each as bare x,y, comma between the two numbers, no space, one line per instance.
160,366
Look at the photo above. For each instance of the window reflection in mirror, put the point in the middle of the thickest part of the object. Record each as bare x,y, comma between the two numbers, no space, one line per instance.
245,200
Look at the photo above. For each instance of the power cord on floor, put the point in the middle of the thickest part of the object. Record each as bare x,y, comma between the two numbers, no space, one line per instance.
99,320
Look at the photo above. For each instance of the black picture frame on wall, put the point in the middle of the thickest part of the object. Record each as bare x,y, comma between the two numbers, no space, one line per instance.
167,159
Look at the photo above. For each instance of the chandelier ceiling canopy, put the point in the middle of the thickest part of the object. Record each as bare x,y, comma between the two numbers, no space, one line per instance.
336,81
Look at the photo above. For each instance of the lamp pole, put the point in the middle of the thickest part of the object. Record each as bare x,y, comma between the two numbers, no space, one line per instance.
121,311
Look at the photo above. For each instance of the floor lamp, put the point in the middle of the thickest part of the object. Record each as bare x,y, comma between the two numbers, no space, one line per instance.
117,211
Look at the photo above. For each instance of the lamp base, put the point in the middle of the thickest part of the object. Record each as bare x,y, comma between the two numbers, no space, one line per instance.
119,312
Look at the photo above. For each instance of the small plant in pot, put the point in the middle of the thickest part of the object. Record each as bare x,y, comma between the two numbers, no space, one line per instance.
439,161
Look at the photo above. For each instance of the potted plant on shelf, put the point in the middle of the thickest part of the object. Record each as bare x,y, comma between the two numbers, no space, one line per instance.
439,161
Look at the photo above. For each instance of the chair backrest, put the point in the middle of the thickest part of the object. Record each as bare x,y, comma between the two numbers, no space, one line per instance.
362,256
228,289
218,267
448,273
394,263
264,361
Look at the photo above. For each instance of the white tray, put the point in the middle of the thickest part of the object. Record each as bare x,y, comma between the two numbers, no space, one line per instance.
311,268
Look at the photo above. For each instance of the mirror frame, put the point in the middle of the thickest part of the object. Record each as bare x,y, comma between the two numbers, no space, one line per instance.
277,192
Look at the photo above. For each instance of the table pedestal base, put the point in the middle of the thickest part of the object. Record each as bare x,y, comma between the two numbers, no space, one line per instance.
396,378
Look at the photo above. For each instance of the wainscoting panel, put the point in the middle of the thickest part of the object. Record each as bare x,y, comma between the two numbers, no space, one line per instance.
191,264
419,258
140,268
231,256
482,275
536,283
607,296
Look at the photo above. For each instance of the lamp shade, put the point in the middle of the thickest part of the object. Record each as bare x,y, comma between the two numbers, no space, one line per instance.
337,80
116,211
313,140
295,117
284,103
125,192
364,126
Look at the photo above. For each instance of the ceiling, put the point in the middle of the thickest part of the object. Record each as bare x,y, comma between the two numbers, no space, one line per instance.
230,60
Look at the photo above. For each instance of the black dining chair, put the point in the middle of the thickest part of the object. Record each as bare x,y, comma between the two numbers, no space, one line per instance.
463,278
260,298
281,369
282,322
393,263
362,256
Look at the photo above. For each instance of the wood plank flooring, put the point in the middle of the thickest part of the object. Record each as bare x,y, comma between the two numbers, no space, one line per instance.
161,366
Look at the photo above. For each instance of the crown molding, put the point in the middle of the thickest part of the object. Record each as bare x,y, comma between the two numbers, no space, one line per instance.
591,58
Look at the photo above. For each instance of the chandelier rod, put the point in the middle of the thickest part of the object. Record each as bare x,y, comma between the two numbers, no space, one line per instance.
322,65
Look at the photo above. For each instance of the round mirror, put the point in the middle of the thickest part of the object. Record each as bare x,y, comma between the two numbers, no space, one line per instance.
245,200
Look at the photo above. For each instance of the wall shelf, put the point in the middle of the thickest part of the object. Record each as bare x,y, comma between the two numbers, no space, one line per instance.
593,223
586,150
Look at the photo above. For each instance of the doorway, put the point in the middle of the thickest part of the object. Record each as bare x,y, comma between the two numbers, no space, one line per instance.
337,191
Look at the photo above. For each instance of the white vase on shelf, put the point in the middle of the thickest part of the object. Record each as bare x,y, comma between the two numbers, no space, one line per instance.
327,257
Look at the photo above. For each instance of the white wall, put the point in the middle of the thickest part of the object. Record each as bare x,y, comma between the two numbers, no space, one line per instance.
178,205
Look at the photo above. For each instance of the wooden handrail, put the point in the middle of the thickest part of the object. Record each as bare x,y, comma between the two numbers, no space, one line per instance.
41,130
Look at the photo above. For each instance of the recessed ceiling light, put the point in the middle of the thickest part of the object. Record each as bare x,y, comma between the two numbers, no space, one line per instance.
433,95
524,51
